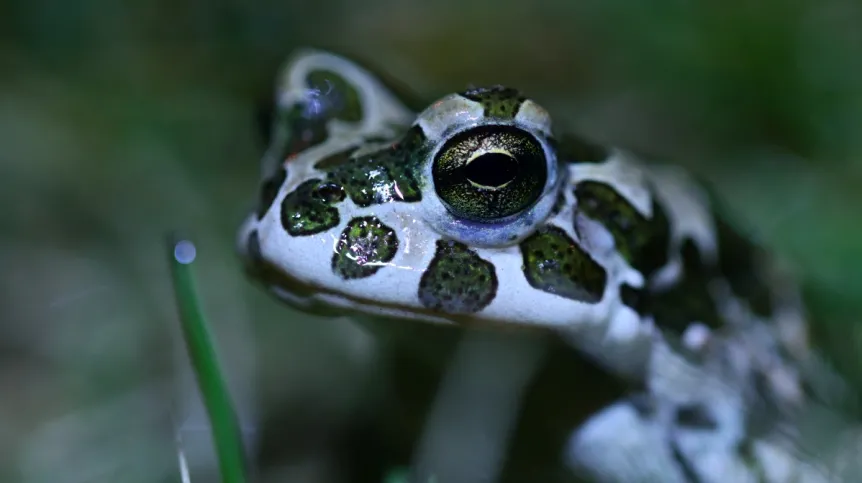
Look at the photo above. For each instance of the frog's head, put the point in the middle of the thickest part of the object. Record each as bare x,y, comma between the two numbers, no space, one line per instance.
459,213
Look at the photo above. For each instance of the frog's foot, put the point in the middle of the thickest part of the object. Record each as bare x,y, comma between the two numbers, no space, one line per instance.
642,440
624,443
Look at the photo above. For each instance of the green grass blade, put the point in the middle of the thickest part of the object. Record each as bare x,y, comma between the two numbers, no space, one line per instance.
202,353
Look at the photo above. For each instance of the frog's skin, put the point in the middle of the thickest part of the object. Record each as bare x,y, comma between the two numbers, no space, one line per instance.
476,211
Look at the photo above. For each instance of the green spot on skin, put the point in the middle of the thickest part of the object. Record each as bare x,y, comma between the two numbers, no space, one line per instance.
389,174
689,300
340,97
559,204
634,298
642,241
739,260
269,190
335,160
457,280
574,149
309,209
554,263
366,245
498,101
297,131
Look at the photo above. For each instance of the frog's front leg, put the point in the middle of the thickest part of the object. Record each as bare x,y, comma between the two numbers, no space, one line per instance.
468,430
634,441
625,443
648,438
694,424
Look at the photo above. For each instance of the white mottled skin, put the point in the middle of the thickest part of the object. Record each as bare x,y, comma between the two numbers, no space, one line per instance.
608,330
622,172
639,444
687,208
387,109
307,258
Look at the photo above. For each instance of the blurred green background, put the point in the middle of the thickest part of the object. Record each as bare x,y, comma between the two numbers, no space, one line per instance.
122,120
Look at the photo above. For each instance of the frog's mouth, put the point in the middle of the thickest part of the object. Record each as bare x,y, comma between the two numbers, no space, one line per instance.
292,290
316,300
319,301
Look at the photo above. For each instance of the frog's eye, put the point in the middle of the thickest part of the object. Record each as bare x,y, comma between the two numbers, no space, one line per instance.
490,172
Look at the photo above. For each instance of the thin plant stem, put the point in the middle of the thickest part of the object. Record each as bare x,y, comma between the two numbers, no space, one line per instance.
204,360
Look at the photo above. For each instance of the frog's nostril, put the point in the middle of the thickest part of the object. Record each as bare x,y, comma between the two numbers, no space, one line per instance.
492,170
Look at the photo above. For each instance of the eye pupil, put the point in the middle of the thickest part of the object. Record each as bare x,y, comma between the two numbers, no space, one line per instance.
489,173
492,170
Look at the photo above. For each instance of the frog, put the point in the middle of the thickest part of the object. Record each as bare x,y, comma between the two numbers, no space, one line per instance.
477,209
